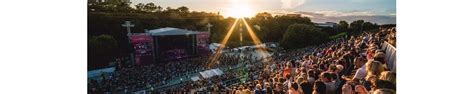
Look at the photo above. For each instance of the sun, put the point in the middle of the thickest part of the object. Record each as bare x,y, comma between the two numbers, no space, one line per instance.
239,11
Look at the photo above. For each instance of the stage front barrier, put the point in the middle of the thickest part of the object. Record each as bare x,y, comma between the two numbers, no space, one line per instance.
390,56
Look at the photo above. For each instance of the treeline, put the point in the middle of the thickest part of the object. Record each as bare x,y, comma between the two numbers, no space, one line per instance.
105,19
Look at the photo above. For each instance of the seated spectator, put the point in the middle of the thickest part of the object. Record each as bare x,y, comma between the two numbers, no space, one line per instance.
384,91
361,71
380,56
347,89
360,89
382,84
388,76
373,68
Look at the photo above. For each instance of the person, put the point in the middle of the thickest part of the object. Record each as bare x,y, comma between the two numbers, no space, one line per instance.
384,91
239,90
380,56
339,68
326,77
293,89
361,69
278,89
347,89
339,82
259,89
373,68
360,89
306,87
389,76
246,90
332,68
311,76
319,88
268,89
382,84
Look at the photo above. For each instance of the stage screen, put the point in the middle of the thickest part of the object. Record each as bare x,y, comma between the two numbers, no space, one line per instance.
142,44
172,47
203,43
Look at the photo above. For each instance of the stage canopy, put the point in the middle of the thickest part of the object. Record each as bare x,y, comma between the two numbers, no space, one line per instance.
170,31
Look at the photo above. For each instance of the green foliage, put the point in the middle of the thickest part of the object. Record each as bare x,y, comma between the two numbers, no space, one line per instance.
301,35
342,26
101,50
338,35
109,6
272,28
359,26
150,7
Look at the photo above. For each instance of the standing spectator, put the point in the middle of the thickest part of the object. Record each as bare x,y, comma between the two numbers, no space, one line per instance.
259,89
293,89
330,84
319,88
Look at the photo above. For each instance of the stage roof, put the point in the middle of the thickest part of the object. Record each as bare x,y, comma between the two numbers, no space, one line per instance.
170,31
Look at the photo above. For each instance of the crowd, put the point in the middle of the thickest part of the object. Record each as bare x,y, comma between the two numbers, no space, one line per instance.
353,65
154,75
356,65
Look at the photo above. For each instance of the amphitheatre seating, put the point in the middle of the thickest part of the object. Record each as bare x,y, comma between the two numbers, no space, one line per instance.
390,56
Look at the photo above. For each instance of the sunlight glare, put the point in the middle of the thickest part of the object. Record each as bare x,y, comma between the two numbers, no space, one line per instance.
239,11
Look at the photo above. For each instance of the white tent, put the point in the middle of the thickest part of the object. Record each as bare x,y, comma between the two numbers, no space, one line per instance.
195,78
211,73
213,47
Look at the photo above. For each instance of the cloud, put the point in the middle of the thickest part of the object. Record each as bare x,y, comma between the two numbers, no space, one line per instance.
335,16
289,4
339,14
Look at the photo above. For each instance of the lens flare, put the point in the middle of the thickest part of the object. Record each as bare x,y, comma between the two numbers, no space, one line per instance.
260,48
214,58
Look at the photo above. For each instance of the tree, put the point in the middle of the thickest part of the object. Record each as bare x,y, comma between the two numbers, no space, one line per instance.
101,50
150,7
356,27
160,8
368,26
273,28
342,26
183,9
140,7
301,35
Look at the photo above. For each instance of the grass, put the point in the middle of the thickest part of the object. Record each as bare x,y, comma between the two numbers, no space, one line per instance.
338,35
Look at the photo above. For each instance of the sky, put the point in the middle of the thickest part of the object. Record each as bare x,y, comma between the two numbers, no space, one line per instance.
378,11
